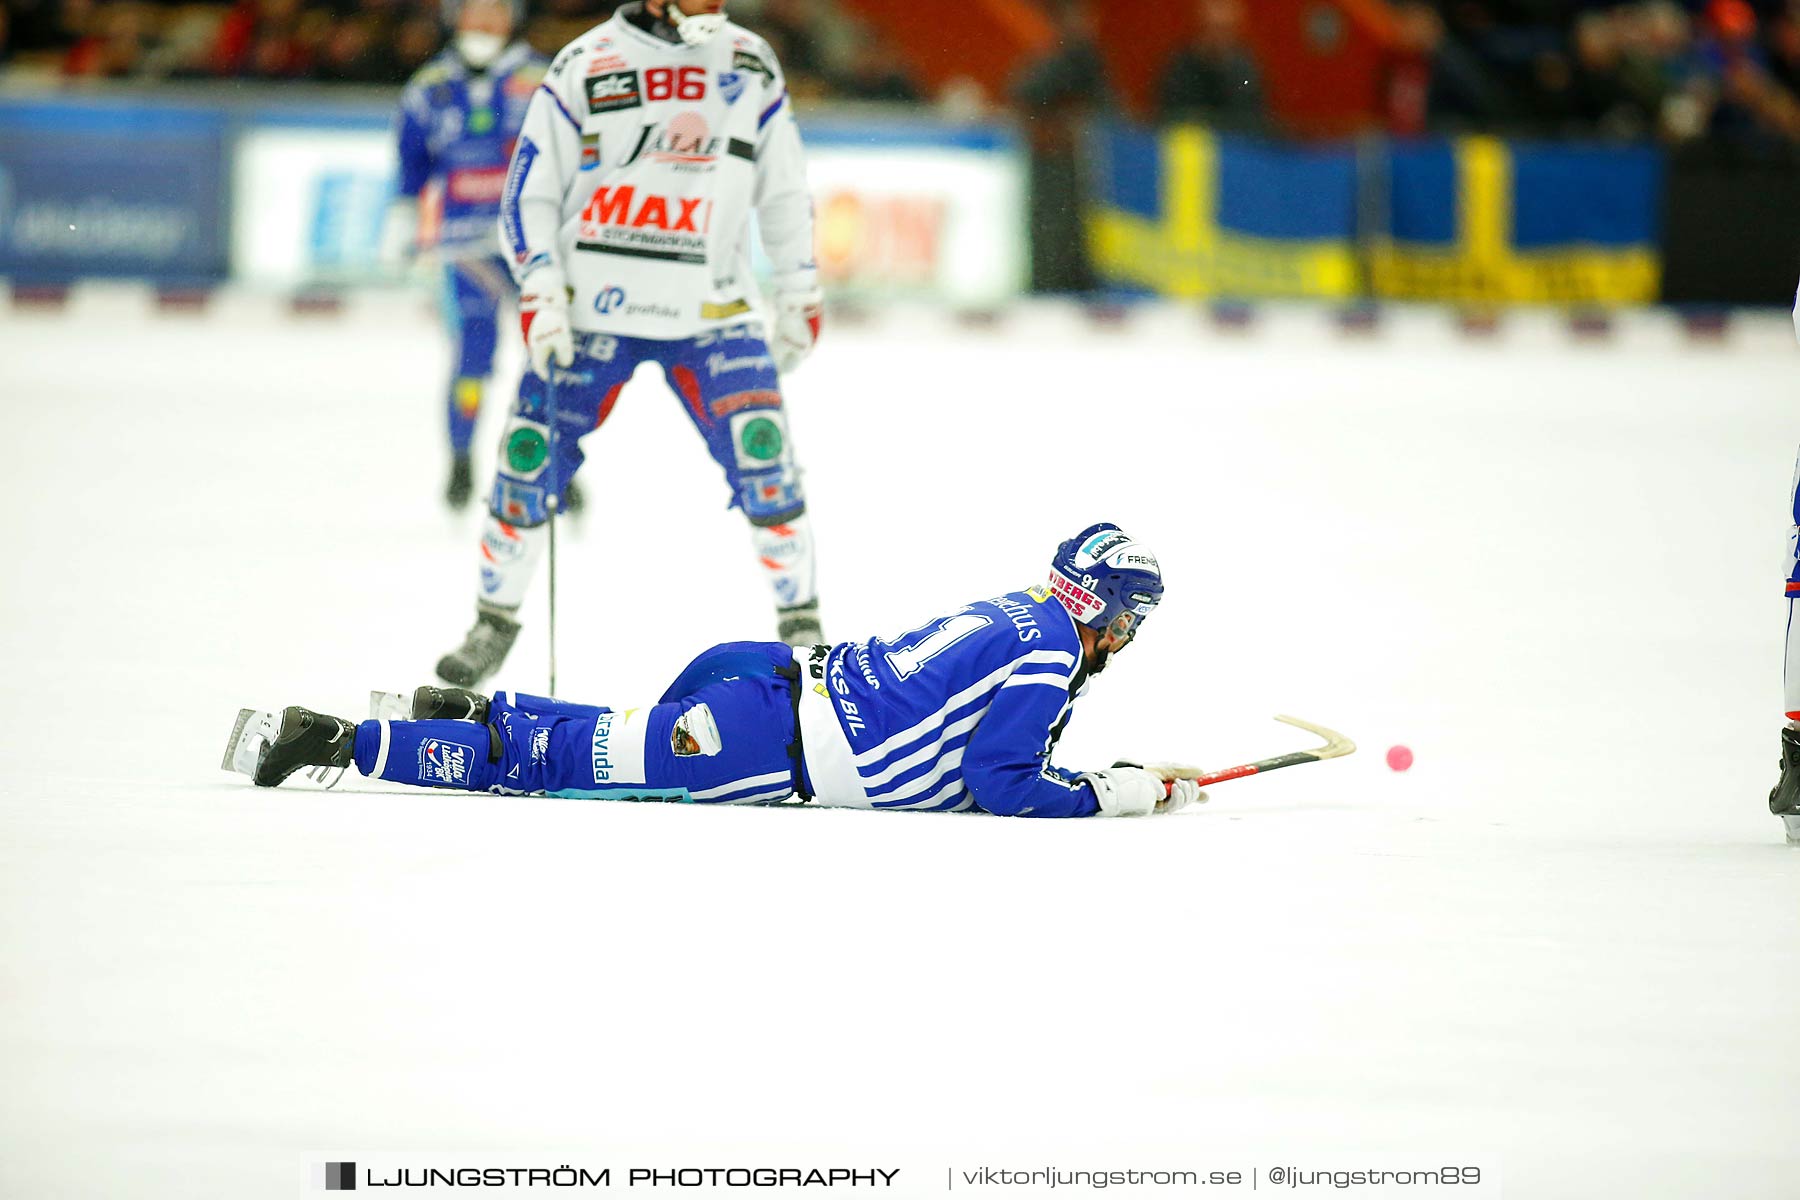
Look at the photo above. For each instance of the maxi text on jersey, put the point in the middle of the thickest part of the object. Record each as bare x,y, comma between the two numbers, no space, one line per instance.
621,220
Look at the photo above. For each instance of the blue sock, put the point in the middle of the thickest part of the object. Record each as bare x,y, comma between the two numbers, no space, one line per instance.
446,754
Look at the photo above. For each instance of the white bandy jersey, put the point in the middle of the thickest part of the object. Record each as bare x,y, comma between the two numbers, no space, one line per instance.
637,170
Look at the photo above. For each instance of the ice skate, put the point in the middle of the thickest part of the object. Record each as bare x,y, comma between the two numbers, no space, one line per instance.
1784,798
482,651
269,747
461,485
448,704
798,625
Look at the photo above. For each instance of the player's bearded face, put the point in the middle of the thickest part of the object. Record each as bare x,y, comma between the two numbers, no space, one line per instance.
1116,637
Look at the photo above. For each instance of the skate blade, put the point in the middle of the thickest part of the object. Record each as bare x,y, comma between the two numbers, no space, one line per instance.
249,734
389,706
1792,822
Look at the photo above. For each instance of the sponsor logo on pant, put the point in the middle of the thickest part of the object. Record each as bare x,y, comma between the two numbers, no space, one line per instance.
444,762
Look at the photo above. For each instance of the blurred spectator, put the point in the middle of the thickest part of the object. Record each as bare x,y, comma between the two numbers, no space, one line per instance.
419,38
791,27
872,74
34,25
1071,77
113,43
1214,78
1784,47
1653,41
1733,93
1603,97
1433,81
260,38
355,52
1056,94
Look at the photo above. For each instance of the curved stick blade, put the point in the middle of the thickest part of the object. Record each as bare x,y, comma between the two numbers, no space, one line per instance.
1336,744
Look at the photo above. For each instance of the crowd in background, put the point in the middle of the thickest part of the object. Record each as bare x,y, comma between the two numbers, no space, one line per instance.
1675,69
825,51
1719,68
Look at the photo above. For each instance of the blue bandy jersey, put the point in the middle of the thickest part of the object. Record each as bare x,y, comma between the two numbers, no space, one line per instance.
456,132
964,711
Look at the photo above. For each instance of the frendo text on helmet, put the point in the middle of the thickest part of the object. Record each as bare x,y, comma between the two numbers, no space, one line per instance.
1101,573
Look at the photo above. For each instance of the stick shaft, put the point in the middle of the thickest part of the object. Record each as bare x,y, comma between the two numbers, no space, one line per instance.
554,503
1256,768
1336,746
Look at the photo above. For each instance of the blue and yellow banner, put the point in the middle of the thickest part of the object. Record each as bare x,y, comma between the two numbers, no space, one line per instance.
1188,213
1480,220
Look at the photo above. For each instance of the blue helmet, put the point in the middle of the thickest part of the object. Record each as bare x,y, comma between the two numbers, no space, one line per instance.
1106,580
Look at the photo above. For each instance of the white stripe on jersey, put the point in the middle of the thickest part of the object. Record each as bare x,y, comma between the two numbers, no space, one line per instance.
938,796
913,787
1059,657
1056,681
871,782
738,786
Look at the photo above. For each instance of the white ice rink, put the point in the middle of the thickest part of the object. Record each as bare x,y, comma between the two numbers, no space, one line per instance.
1564,943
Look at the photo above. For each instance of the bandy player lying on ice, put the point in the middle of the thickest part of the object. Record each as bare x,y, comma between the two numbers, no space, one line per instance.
961,713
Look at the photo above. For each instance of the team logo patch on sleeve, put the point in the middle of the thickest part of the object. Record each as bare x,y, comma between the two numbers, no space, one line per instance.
731,86
444,762
613,91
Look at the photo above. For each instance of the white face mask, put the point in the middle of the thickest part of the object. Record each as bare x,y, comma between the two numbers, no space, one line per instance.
479,49
695,30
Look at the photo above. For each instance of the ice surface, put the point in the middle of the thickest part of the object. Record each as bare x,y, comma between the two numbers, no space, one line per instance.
1565,938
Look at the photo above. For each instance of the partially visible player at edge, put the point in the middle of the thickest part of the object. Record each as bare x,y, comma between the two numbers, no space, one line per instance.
459,117
1784,799
960,713
626,218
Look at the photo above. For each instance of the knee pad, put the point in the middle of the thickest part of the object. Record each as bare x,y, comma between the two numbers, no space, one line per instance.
521,495
766,482
465,393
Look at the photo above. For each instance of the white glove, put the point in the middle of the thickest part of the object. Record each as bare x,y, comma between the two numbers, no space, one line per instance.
1129,791
797,318
1182,792
399,245
544,316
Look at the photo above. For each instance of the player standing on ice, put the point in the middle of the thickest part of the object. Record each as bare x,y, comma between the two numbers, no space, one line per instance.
1784,798
961,713
626,218
459,117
